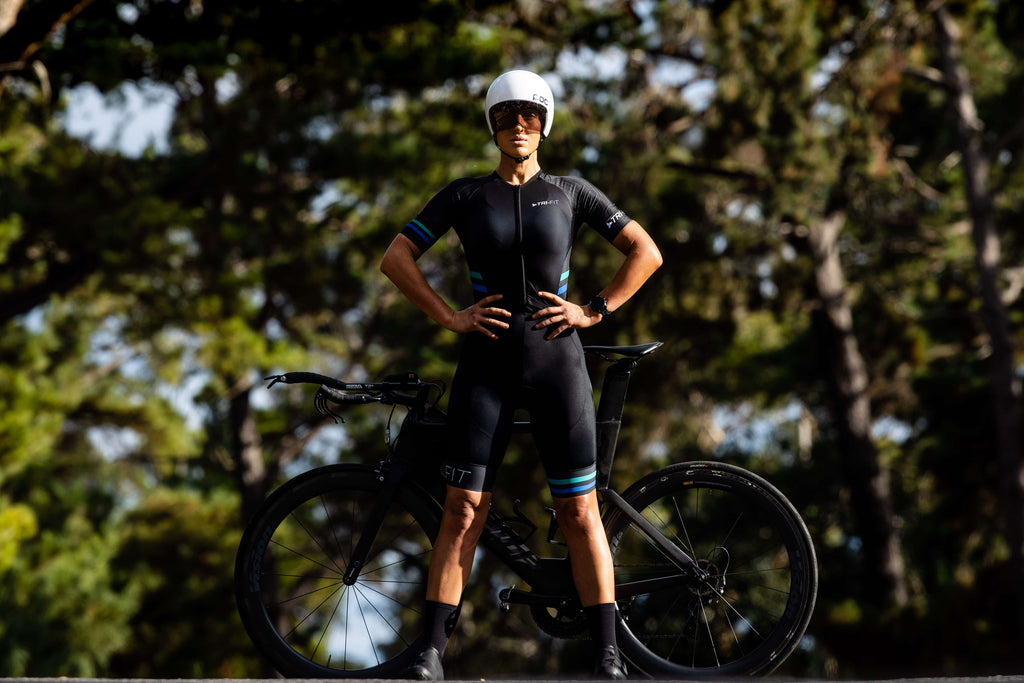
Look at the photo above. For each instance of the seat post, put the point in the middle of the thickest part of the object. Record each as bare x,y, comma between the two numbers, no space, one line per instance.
609,415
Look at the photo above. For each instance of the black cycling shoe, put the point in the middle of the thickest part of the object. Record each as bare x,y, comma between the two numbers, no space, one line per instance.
609,665
427,667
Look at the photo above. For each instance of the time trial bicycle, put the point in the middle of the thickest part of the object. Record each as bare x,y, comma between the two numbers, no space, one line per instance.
715,571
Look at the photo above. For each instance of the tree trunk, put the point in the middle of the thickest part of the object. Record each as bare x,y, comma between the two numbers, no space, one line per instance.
868,480
247,454
1005,386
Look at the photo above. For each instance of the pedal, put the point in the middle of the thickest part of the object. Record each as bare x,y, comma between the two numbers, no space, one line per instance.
503,598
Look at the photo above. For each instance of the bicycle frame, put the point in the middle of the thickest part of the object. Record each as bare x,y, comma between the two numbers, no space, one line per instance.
550,578
714,569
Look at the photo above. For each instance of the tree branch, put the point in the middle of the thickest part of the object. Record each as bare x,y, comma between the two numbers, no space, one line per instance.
33,26
928,74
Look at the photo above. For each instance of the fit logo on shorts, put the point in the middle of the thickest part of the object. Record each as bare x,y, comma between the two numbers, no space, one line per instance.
455,475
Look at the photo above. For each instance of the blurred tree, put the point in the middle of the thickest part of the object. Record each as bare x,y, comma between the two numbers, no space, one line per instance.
1005,382
797,149
764,144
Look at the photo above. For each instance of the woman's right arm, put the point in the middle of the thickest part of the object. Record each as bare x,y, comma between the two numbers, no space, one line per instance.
399,265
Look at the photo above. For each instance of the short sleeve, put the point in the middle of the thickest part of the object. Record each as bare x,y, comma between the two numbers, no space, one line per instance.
599,212
436,218
591,206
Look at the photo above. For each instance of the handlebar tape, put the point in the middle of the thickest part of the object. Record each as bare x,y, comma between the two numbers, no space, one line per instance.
304,378
339,397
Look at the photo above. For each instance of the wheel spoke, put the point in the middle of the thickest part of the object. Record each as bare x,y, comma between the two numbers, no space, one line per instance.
384,618
313,611
369,636
335,569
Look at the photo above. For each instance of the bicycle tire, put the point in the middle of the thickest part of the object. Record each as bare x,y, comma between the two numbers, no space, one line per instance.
750,611
291,598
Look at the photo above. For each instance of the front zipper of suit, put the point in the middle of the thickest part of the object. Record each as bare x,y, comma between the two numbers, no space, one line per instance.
517,200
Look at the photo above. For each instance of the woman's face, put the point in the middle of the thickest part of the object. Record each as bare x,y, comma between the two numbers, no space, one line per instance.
518,130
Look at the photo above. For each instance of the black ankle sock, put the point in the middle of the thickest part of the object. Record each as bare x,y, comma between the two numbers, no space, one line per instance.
439,622
602,624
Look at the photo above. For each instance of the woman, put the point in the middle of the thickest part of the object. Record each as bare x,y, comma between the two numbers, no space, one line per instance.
517,227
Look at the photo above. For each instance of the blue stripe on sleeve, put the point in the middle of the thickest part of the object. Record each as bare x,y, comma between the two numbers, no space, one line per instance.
416,224
419,232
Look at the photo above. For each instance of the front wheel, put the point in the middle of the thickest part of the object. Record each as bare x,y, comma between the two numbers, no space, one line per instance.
746,607
300,609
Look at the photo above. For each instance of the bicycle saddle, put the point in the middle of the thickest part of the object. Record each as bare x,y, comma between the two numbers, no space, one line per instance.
636,351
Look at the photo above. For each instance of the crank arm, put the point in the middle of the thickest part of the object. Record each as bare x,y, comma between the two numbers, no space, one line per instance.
514,596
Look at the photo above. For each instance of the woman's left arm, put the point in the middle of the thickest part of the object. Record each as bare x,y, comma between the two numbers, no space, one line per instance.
642,259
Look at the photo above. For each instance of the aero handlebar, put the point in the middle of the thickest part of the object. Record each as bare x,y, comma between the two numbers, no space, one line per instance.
404,389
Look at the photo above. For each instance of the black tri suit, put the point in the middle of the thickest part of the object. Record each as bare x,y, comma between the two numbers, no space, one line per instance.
517,240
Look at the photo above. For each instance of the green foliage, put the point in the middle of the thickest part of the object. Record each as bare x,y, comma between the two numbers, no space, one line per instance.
142,299
17,524
181,546
65,612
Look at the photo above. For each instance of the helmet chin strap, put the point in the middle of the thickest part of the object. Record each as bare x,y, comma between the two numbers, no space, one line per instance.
516,159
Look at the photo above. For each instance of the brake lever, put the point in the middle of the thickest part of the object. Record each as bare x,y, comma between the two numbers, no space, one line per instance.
320,403
275,378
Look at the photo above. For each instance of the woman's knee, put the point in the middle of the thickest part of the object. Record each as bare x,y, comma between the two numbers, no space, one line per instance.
578,515
463,509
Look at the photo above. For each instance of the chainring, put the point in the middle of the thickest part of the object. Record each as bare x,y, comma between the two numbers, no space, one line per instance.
566,621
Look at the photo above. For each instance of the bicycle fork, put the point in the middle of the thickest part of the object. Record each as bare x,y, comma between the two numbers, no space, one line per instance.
391,477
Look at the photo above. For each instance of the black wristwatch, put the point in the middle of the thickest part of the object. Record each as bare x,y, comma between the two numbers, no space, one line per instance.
599,305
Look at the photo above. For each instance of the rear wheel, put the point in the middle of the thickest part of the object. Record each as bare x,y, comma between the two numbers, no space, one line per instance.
749,606
289,576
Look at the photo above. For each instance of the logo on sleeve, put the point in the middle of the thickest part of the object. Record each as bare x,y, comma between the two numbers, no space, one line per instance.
611,221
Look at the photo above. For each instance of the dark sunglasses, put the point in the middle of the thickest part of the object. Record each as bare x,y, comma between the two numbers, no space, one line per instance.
528,117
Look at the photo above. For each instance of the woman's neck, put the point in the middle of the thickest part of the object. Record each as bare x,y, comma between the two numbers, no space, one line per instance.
517,173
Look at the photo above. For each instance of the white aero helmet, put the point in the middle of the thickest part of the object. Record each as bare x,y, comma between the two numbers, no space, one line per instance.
520,86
